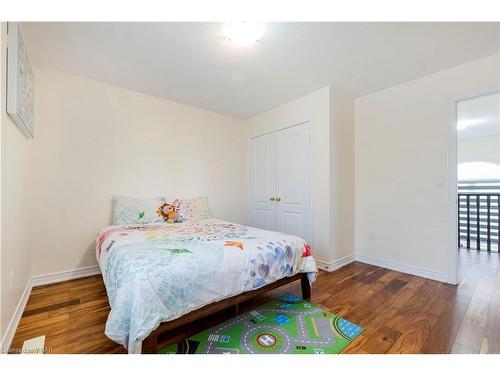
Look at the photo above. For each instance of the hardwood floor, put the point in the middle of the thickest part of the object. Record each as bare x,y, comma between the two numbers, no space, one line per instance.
400,313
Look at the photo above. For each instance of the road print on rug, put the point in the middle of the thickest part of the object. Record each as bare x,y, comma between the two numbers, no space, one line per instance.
284,325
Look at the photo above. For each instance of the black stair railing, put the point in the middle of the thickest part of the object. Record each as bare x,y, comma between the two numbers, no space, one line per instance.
479,216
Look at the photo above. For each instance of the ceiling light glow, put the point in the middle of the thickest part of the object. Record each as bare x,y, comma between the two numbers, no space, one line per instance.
243,33
463,124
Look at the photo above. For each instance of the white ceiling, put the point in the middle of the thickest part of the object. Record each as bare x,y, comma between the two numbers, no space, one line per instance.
481,114
193,63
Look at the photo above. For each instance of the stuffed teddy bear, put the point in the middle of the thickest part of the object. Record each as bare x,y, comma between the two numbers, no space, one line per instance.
167,211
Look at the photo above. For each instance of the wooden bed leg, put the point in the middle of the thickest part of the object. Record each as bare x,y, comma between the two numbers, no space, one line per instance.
306,288
150,345
237,309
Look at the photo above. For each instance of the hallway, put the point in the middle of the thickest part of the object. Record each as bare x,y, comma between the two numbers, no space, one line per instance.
479,277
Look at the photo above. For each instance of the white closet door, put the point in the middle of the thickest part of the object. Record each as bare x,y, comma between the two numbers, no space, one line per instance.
294,181
263,182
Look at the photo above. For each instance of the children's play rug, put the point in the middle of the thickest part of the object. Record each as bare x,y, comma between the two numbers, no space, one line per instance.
284,325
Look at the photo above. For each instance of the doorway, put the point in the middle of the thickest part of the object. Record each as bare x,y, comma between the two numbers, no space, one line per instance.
477,127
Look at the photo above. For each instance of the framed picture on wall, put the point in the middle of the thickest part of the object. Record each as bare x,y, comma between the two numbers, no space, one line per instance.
20,81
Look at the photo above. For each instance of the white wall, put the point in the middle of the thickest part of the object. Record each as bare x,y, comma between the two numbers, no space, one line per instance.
479,158
401,145
341,172
479,149
331,112
15,206
94,140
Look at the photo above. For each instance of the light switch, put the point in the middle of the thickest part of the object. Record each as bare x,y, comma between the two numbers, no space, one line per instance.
440,182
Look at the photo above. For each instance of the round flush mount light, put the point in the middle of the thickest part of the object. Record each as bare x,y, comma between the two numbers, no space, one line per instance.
243,33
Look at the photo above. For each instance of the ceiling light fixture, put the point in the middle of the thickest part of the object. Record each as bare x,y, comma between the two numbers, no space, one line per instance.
243,33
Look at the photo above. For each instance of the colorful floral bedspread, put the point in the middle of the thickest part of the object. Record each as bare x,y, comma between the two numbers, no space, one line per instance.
157,272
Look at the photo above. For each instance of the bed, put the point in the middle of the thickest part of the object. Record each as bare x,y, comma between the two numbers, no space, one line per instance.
157,273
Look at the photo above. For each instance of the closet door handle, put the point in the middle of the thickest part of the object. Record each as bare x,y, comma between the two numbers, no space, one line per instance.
278,199
272,199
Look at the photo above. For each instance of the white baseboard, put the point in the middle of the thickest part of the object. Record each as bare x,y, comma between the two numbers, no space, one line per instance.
38,281
65,275
336,264
16,318
405,268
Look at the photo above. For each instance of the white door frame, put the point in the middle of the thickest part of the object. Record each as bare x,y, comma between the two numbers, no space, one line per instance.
453,183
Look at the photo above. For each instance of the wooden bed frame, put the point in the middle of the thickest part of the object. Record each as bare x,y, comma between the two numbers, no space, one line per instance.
150,343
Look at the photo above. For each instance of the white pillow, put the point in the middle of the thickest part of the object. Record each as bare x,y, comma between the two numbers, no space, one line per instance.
128,210
193,209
